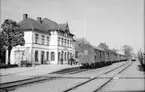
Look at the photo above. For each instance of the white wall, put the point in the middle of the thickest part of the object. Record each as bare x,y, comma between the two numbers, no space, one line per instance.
30,47
54,46
26,49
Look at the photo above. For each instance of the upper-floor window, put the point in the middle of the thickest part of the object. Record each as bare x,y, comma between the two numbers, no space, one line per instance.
42,38
36,38
48,40
70,43
47,54
58,41
65,42
61,41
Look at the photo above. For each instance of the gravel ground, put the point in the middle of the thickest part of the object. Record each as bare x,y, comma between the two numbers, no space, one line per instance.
124,85
57,85
131,80
90,86
93,85
61,84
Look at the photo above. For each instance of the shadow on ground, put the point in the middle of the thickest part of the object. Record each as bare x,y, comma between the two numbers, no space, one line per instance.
141,68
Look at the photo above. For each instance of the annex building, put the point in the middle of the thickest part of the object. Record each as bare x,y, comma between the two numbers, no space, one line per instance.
45,42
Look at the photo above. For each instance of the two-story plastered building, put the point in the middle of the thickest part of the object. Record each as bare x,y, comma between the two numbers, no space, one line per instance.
45,42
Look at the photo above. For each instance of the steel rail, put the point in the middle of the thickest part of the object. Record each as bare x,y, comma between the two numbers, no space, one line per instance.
112,78
78,85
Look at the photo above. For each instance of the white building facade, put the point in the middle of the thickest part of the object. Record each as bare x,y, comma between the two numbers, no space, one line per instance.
45,42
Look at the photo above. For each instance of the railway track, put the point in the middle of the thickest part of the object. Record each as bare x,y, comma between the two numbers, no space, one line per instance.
97,77
98,89
6,87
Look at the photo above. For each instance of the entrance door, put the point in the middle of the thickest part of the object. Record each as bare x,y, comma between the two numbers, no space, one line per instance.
42,57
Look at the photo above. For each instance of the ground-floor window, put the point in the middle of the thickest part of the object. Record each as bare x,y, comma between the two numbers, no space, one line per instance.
52,56
36,56
58,56
62,55
65,56
42,57
68,56
47,54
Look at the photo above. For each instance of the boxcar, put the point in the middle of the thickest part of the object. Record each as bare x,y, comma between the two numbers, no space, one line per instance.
90,56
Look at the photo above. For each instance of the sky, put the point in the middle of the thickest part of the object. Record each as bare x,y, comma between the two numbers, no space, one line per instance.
115,22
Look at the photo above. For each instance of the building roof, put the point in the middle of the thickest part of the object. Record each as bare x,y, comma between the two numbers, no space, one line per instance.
62,27
49,24
44,25
29,23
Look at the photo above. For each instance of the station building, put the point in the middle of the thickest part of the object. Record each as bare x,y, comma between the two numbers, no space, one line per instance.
45,42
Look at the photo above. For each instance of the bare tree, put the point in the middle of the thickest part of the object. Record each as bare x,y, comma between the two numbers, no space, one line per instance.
128,51
104,46
114,50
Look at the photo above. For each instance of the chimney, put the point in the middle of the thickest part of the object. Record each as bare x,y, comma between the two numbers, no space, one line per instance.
39,19
25,16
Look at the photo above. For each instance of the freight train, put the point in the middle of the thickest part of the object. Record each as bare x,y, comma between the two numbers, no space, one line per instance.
93,57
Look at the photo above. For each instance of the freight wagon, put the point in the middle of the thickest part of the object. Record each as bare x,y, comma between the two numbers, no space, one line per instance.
92,57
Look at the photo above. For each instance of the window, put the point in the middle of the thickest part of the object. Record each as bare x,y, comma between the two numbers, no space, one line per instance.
52,56
58,56
65,42
62,55
42,38
47,40
68,56
59,41
70,43
47,56
65,56
36,38
36,56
